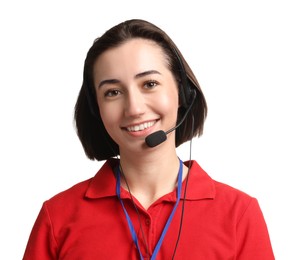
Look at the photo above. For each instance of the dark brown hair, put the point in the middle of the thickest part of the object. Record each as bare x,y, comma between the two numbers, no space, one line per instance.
95,140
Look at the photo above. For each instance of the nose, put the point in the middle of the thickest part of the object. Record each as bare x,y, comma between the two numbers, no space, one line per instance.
134,104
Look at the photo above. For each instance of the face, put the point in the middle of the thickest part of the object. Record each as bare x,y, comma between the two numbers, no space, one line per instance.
136,93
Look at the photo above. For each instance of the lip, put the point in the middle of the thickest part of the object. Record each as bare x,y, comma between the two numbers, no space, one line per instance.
141,128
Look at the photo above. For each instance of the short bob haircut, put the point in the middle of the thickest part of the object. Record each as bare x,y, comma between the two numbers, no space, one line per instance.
95,140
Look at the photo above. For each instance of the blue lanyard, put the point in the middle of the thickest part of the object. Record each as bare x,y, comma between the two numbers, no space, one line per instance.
130,224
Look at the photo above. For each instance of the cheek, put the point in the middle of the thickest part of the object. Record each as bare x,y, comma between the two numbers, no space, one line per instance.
169,102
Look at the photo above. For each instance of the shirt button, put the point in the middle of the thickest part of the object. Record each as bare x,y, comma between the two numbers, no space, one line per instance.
147,221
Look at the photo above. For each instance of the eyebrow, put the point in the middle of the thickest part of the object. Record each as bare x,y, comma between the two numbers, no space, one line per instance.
145,73
139,75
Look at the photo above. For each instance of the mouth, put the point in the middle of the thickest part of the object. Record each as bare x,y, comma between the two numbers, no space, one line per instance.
140,127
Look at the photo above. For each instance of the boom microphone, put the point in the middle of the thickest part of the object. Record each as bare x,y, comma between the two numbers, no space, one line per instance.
160,136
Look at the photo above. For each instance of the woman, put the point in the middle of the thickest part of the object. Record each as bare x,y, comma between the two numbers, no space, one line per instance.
138,102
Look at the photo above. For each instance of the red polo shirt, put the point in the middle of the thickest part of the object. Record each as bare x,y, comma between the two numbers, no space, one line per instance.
87,222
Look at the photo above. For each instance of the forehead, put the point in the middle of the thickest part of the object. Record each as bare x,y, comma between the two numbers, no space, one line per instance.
135,54
136,44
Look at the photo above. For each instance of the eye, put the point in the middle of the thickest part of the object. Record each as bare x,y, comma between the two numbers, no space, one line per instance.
112,93
150,84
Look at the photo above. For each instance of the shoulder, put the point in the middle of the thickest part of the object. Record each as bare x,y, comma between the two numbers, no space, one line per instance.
227,203
83,190
74,193
220,193
228,192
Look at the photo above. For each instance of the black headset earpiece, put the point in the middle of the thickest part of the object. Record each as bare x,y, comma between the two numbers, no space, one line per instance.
186,94
186,91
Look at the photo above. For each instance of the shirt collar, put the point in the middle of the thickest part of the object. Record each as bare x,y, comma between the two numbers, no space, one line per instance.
103,184
200,185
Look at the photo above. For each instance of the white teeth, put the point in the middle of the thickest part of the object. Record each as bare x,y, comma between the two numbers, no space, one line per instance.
140,127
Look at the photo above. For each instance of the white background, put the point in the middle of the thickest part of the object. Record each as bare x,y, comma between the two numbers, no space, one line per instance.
242,52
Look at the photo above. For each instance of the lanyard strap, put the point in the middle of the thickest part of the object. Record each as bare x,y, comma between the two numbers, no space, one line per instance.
130,224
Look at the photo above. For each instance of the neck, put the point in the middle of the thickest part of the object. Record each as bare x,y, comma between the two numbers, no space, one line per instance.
150,175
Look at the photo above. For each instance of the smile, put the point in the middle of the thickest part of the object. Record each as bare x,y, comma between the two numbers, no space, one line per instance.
140,127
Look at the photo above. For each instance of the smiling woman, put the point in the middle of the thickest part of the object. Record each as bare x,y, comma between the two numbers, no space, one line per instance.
144,203
137,94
